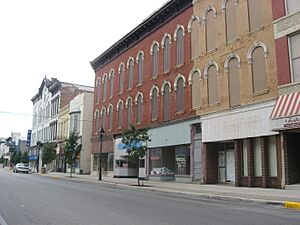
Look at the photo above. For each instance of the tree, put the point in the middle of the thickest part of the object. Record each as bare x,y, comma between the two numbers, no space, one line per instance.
49,153
25,158
72,149
135,143
15,157
2,159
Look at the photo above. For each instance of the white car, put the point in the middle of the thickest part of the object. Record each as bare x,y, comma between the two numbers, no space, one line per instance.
21,167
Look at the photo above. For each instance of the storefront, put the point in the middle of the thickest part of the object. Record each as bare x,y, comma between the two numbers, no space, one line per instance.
171,152
240,148
285,118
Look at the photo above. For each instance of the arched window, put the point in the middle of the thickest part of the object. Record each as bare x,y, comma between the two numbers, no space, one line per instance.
140,62
193,28
110,116
166,45
154,53
154,103
129,111
194,80
179,85
121,78
211,72
103,118
130,72
104,81
255,14
98,91
97,121
139,109
230,7
210,16
166,89
178,37
232,66
257,58
120,113
112,81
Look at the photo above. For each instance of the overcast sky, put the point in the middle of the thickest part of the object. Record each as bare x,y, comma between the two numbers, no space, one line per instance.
56,38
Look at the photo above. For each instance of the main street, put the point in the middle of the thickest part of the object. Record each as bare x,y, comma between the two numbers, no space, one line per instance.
33,199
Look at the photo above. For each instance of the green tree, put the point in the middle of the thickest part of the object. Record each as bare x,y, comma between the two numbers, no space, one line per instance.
135,143
72,149
49,153
2,159
16,157
25,158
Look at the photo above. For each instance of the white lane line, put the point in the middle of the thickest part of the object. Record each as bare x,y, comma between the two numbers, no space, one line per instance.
2,221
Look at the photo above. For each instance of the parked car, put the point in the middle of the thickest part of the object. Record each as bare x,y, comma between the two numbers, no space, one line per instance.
21,167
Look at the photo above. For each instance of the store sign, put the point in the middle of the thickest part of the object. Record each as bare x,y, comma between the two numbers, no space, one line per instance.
292,122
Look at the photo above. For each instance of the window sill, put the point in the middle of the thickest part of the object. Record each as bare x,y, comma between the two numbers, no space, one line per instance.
129,89
235,106
154,78
167,72
155,119
179,113
139,123
263,92
232,42
180,65
119,128
140,84
214,105
250,33
120,93
211,51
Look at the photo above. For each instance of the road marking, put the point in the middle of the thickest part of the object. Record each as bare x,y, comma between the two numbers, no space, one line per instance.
2,221
292,205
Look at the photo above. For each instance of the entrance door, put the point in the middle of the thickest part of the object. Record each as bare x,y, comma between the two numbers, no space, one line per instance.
230,168
222,166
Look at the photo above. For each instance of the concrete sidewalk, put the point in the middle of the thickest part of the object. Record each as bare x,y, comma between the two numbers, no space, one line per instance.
224,192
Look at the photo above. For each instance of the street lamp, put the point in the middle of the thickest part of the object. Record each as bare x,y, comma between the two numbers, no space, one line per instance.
101,133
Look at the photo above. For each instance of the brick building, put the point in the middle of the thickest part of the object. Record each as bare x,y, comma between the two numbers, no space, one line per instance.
143,79
285,117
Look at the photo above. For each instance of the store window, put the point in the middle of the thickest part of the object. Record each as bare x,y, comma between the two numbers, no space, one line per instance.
244,158
272,156
257,157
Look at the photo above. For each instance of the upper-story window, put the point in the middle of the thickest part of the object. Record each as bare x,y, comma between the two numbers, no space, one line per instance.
97,117
166,90
295,56
211,73
179,39
120,113
130,64
140,62
193,28
110,116
194,81
98,90
103,118
154,53
179,85
209,20
121,77
292,6
129,110
255,14
230,8
111,78
104,81
75,122
166,45
257,58
231,66
154,102
139,105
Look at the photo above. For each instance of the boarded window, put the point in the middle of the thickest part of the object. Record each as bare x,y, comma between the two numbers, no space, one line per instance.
140,68
257,157
180,95
110,118
231,29
259,72
212,81
295,56
155,61
154,110
292,6
139,109
255,14
105,87
195,40
112,80
167,54
234,82
166,102
210,28
129,112
121,80
196,90
130,74
272,156
120,115
179,47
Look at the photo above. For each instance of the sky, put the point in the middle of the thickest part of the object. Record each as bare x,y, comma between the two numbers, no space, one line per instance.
59,39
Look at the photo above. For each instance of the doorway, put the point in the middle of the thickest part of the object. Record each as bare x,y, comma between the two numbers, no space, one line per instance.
226,166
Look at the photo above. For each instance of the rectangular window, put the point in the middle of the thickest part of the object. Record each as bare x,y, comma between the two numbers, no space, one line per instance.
74,122
272,156
244,156
292,6
257,157
255,14
295,56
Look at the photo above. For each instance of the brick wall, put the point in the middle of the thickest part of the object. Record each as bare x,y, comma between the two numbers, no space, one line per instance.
278,9
283,62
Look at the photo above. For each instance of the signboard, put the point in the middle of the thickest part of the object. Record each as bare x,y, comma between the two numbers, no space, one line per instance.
285,123
28,141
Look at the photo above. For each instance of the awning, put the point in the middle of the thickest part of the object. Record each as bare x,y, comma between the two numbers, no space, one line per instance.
286,106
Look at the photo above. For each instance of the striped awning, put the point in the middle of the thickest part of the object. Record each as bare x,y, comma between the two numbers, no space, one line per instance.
286,106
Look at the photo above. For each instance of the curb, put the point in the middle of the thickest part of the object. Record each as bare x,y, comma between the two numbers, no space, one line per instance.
292,205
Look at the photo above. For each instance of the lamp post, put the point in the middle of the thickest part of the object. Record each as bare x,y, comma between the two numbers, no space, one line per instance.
101,133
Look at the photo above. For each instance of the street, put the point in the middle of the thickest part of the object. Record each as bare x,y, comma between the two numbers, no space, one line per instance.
32,199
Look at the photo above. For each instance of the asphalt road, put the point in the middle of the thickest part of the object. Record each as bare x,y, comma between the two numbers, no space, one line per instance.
33,199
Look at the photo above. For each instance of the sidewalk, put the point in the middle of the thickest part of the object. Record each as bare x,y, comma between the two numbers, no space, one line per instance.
224,192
